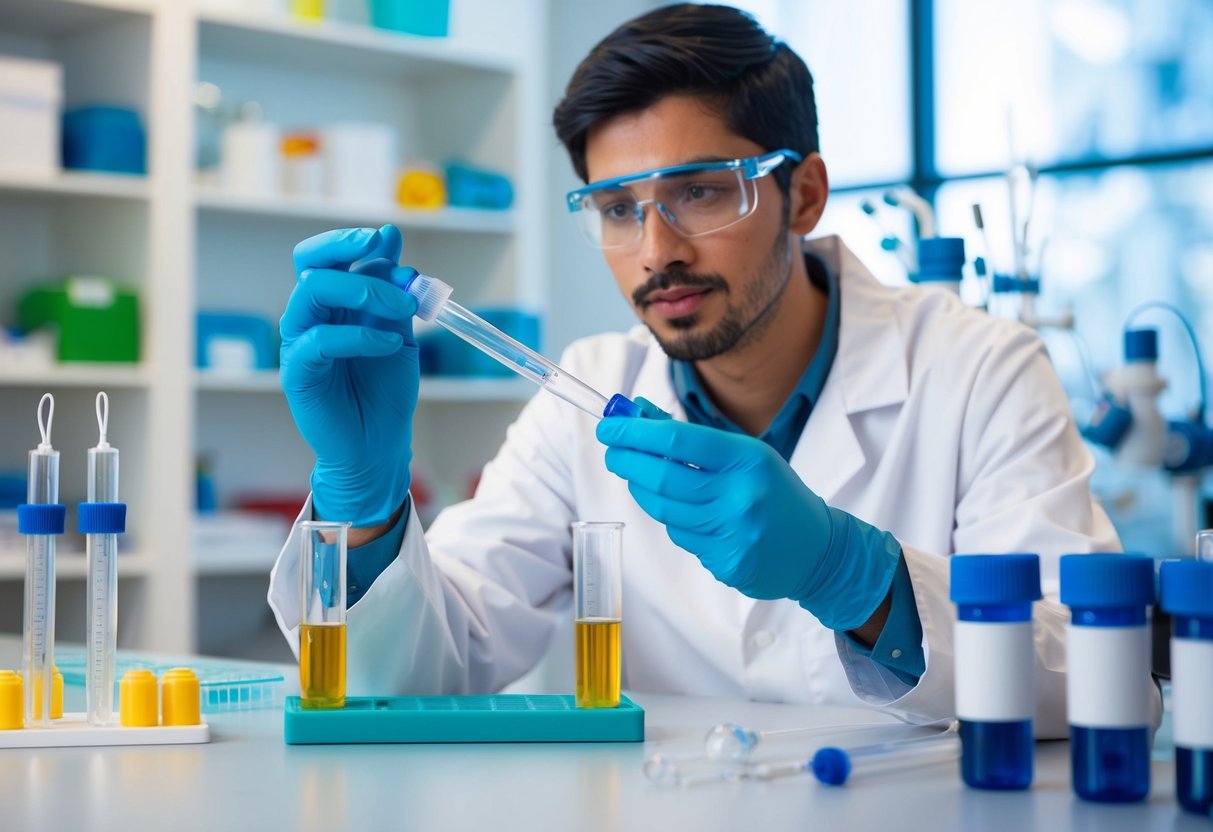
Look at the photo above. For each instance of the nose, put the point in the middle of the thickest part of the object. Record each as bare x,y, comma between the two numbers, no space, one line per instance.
661,247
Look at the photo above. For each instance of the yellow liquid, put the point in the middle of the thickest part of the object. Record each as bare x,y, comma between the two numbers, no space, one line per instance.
322,665
597,658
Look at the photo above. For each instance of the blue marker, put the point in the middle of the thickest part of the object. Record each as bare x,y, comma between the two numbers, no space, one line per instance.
995,667
1108,684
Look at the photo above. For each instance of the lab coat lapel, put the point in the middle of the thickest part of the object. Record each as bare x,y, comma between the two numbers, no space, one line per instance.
869,371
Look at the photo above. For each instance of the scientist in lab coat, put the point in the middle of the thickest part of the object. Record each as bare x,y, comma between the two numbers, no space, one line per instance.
816,444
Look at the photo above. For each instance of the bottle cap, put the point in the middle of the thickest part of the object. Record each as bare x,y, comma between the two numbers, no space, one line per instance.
1187,588
1107,581
995,579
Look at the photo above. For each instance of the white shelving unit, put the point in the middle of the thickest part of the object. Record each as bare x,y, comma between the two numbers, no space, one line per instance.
476,96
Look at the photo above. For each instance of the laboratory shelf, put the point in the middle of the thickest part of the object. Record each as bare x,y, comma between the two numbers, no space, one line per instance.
73,565
339,47
64,17
77,374
262,381
446,219
75,184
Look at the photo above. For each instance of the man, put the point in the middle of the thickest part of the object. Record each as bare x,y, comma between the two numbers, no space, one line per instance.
832,440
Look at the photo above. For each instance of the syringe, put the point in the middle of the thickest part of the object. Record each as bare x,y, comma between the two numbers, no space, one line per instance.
434,304
40,519
101,520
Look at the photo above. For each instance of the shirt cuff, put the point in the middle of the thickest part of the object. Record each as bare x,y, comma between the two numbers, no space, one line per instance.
367,562
899,646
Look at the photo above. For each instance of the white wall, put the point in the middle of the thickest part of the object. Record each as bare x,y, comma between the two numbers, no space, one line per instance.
583,299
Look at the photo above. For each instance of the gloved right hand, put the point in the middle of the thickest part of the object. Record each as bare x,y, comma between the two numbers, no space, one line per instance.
350,372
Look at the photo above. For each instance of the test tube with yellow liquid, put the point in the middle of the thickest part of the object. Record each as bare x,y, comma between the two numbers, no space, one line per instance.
322,552
598,611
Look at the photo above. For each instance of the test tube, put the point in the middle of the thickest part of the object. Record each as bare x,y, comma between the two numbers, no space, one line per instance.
101,520
40,519
322,635
1204,545
598,610
434,304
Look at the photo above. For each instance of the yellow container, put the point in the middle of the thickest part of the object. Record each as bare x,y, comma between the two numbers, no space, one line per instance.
12,708
180,697
308,9
138,703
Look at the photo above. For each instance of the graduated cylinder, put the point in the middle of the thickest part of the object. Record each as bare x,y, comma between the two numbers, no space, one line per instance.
598,612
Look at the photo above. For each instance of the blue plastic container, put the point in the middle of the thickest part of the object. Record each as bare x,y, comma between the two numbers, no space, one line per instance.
995,667
430,18
104,138
469,187
940,260
1108,684
1187,594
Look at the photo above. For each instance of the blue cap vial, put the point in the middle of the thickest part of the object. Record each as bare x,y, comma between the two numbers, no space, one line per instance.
995,667
1108,683
1187,594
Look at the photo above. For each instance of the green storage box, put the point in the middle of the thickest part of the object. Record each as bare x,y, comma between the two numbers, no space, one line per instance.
96,319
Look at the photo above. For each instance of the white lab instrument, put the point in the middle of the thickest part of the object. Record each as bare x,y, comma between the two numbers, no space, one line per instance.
102,553
490,571
434,304
924,215
41,520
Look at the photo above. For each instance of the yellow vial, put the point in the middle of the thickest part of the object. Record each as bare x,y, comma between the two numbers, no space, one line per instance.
180,697
322,665
56,694
598,650
12,708
137,699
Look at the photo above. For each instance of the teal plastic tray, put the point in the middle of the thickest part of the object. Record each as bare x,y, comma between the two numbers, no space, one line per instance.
501,717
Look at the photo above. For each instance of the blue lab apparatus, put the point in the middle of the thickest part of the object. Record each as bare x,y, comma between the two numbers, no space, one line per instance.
995,667
1108,684
1187,594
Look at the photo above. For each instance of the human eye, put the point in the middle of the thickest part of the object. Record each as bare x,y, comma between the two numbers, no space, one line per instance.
616,207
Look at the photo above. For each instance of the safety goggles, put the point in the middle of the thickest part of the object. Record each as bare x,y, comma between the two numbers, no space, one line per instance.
693,199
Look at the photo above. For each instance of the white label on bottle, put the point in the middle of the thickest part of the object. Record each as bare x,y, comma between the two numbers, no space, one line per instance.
1108,676
1192,692
995,671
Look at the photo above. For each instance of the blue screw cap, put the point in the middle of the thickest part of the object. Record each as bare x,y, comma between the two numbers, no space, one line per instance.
41,518
1107,581
1141,345
621,405
831,766
1187,588
978,580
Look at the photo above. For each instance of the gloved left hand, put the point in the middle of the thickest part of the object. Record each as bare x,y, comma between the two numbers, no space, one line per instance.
733,502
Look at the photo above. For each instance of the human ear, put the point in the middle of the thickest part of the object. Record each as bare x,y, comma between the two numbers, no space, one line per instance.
808,192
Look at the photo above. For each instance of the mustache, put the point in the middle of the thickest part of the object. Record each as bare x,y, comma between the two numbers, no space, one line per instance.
671,278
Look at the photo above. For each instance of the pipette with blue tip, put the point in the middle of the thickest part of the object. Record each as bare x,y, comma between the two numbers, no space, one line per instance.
835,766
40,519
434,304
101,519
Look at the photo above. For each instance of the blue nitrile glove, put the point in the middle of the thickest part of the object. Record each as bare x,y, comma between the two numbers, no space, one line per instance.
750,519
350,372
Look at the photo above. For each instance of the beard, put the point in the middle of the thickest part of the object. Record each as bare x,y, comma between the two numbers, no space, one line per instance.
743,322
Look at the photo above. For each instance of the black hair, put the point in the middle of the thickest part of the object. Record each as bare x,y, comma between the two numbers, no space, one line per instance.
763,90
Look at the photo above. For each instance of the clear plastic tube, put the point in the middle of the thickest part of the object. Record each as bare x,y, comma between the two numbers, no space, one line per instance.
38,627
520,358
434,304
102,603
835,766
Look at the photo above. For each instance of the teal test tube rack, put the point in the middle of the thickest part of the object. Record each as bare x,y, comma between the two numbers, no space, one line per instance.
491,718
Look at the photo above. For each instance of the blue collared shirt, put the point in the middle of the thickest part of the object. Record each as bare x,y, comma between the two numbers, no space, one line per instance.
899,647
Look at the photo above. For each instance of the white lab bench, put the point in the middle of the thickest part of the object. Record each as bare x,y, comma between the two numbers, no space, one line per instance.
247,778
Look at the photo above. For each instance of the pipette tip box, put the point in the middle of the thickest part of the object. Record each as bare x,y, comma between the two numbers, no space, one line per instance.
492,718
73,729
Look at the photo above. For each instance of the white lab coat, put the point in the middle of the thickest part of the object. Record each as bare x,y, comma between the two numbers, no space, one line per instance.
938,423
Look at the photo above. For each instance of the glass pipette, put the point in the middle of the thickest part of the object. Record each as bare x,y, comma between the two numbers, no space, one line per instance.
40,519
434,304
834,766
102,518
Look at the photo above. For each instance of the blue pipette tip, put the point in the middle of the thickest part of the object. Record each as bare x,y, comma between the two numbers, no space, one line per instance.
621,405
403,276
831,766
